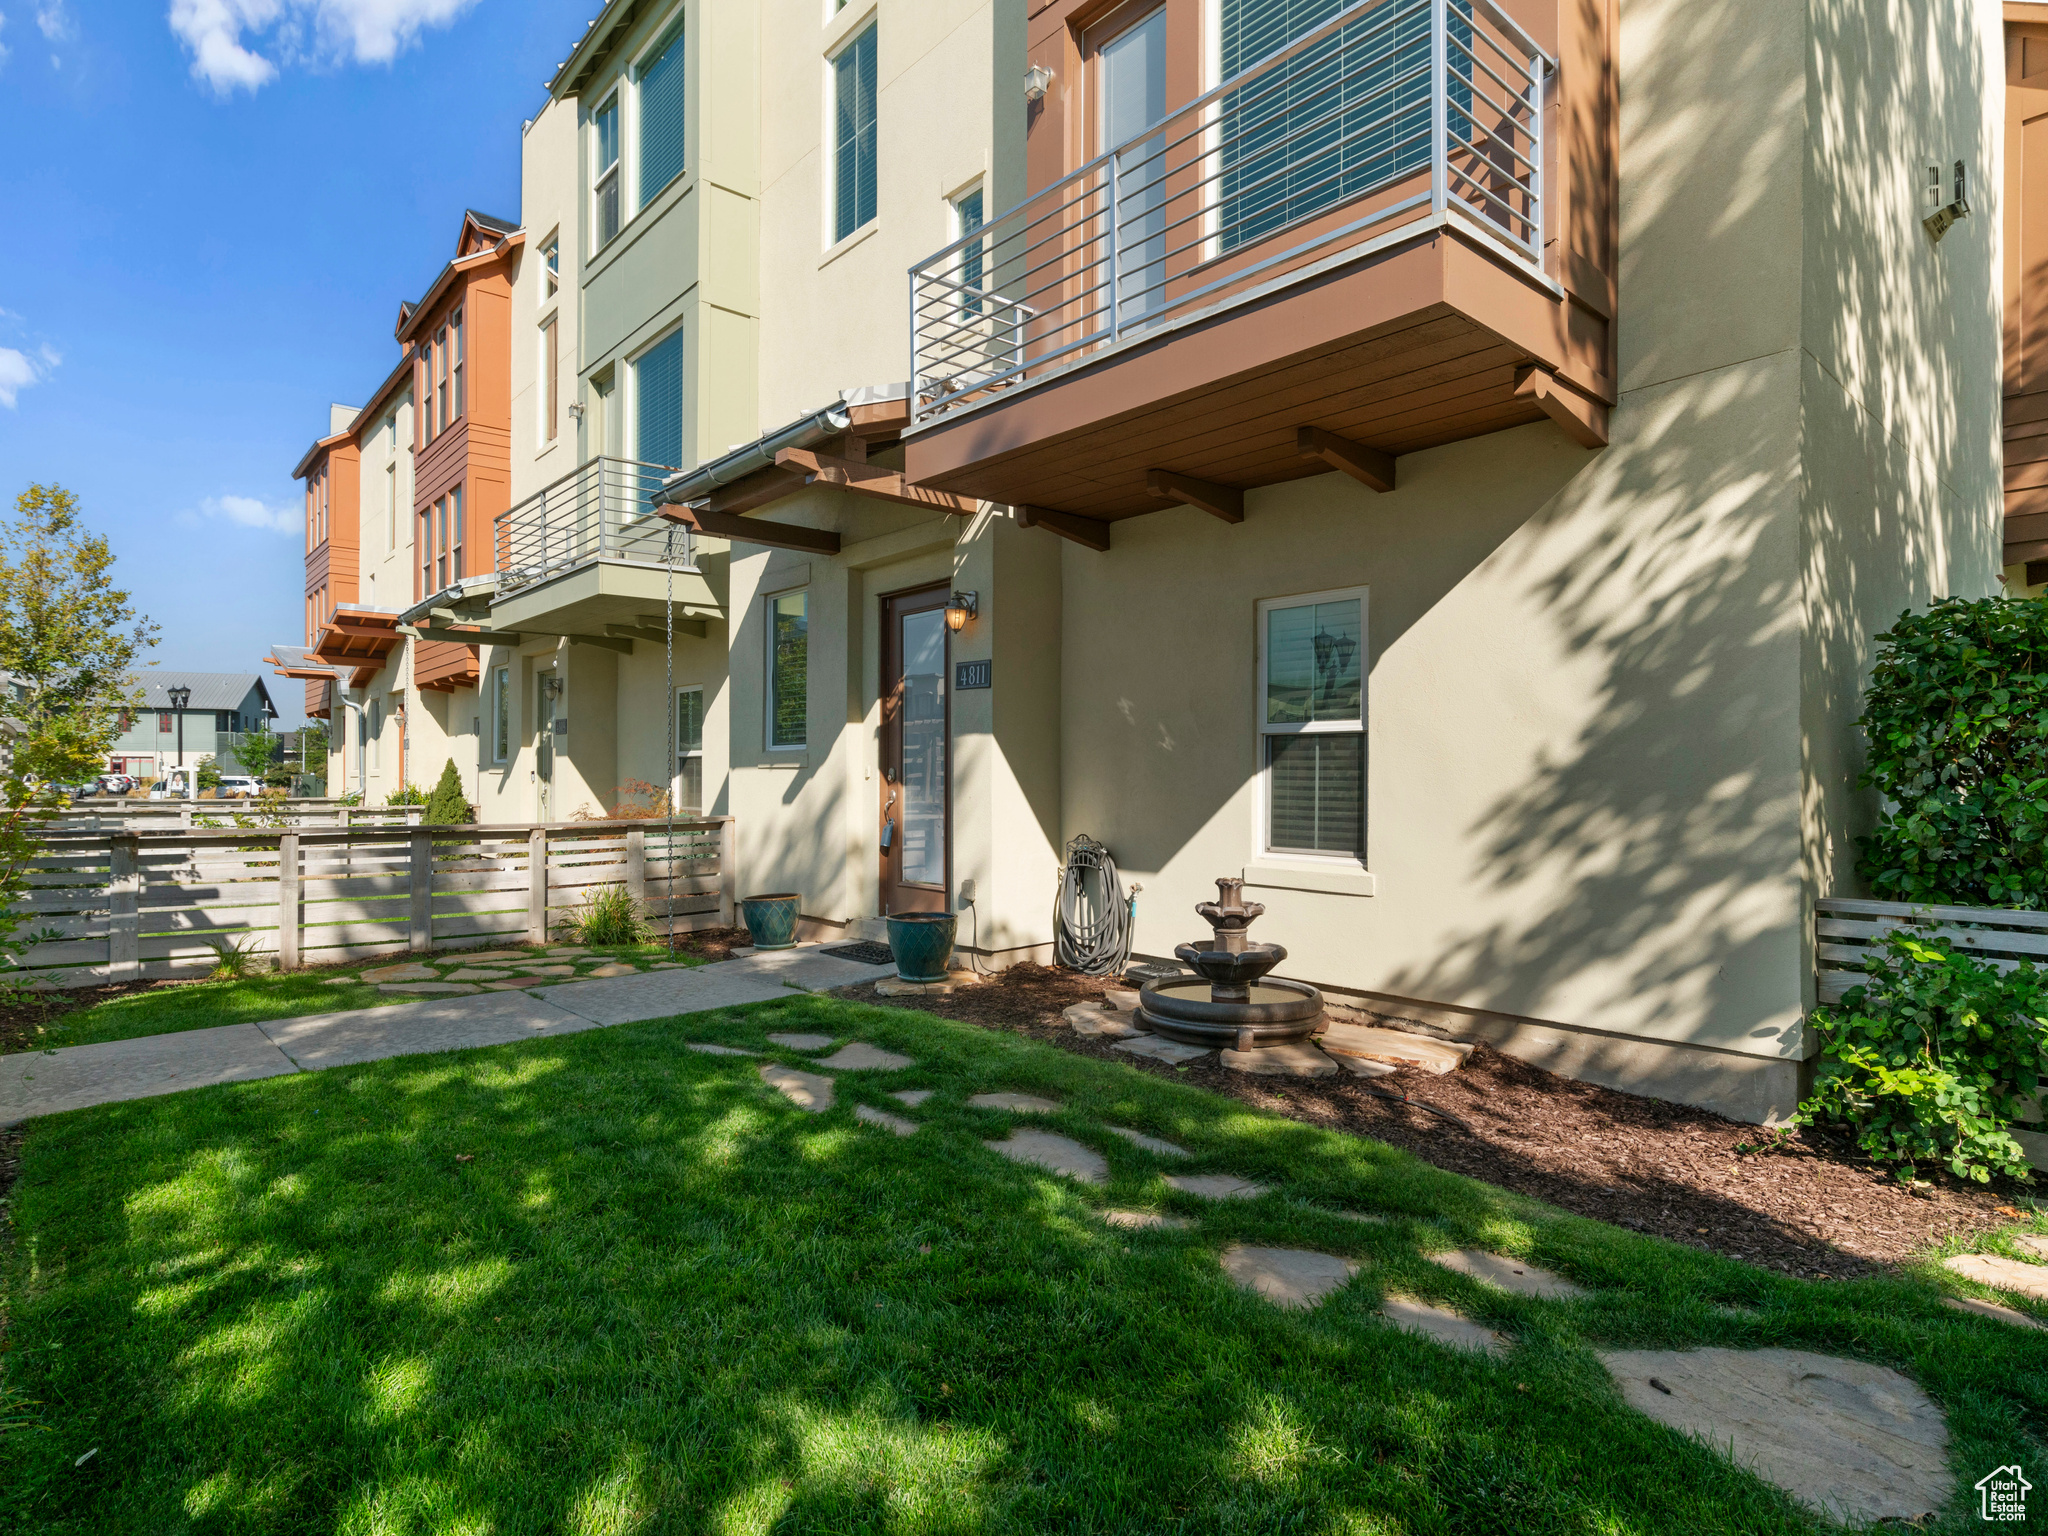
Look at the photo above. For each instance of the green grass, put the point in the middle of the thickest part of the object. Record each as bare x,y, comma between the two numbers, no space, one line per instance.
602,1284
266,995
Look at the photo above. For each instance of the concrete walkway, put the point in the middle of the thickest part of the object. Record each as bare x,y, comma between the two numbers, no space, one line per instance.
48,1082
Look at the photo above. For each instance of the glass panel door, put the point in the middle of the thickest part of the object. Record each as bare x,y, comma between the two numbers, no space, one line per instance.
1133,67
915,801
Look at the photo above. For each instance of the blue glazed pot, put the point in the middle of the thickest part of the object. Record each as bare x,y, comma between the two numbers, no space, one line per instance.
771,920
922,943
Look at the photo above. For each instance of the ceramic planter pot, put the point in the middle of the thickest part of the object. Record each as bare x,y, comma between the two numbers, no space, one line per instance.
771,920
922,943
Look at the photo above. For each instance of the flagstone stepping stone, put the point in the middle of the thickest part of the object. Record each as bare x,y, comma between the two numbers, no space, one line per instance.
2005,1274
1122,999
668,965
1290,1060
705,1047
1057,1154
1394,1045
913,1096
801,1042
2033,1243
617,968
1093,1019
862,1057
1146,1221
806,1090
427,986
548,970
411,970
1508,1274
1288,1277
1016,1103
473,957
1992,1309
341,981
1216,1186
565,949
516,983
1441,1324
1856,1441
884,1119
477,973
1365,1066
1159,1048
1149,1143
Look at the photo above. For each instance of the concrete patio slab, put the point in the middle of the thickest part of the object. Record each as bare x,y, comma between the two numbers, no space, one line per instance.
1441,1324
1056,1154
862,1057
50,1082
806,1090
1149,1143
1296,1278
1508,1274
413,1029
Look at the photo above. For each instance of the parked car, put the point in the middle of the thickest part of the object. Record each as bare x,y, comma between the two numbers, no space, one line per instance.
116,783
239,786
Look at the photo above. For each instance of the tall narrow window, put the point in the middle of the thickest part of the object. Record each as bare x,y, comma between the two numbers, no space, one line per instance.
550,374
441,380
1312,723
658,402
455,367
661,115
690,750
967,218
501,714
425,551
551,269
788,670
391,495
375,731
605,172
455,571
440,543
853,135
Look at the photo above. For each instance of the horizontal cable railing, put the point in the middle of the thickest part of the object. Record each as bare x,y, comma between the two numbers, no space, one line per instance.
1392,115
602,510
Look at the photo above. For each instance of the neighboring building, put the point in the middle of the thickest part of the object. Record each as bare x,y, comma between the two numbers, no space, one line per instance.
222,708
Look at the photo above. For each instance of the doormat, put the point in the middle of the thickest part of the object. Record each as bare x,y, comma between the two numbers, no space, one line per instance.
867,952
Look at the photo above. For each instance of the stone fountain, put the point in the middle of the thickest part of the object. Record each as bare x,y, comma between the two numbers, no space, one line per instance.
1231,1001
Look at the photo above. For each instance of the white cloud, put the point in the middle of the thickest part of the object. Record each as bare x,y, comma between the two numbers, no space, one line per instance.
18,370
223,35
3,46
248,512
55,24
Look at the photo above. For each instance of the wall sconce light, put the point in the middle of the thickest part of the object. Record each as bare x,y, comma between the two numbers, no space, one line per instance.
960,609
575,410
1938,222
1036,79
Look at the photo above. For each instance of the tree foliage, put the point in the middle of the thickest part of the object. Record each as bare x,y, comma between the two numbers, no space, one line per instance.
1956,718
448,806
257,752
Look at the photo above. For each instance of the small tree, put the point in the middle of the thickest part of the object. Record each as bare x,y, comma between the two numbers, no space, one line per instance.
257,751
209,774
448,806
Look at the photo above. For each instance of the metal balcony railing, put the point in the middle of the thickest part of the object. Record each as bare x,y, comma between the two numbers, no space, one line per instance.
602,510
1392,117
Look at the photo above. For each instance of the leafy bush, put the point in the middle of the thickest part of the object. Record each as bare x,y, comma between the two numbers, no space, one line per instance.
1956,718
634,800
610,916
1932,1058
448,806
407,794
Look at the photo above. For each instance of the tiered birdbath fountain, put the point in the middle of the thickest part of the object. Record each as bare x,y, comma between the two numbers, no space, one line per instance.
1231,1001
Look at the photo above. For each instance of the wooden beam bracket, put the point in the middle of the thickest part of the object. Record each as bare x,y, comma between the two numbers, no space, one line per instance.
755,530
1584,421
1089,532
1368,466
866,479
1224,501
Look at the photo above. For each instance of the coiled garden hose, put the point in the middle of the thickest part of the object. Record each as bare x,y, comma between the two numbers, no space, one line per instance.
1093,918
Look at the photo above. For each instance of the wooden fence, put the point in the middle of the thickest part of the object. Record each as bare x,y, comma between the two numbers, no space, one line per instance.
114,813
125,905
1846,931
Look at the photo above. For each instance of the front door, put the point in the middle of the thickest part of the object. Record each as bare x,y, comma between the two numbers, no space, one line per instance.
548,686
916,800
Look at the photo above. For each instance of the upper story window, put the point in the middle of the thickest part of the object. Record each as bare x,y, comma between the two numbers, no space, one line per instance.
605,171
658,402
550,269
455,366
967,218
659,118
853,135
1312,723
441,543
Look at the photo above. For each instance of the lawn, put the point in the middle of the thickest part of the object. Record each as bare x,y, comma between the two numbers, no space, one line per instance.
600,1283
261,995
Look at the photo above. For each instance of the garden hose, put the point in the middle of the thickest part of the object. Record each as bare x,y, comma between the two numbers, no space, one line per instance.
1093,918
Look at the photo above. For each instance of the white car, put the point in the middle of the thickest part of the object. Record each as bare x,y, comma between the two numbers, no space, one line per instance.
236,786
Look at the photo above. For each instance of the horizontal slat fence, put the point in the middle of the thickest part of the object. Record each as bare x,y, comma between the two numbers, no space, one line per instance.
113,813
1847,931
126,905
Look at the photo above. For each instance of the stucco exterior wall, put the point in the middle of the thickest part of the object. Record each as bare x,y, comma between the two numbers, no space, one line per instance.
548,197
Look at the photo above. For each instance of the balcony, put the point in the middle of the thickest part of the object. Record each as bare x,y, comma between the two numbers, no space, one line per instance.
1345,253
587,556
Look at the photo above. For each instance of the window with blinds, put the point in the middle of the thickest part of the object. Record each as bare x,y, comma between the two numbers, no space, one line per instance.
1312,669
853,158
658,402
661,115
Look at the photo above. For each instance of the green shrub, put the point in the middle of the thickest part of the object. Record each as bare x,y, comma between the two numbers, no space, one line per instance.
1931,1059
1956,718
407,794
610,916
448,806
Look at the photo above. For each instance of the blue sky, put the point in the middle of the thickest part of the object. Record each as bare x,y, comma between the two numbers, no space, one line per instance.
215,208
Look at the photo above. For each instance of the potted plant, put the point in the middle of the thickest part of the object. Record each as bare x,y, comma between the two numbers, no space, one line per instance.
922,943
771,920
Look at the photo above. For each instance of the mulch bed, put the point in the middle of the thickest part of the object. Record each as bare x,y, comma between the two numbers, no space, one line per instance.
710,943
1797,1201
26,1017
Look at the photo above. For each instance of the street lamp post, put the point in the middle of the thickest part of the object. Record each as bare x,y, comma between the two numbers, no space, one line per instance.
180,697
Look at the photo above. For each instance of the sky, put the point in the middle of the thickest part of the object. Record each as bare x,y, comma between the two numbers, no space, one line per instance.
213,210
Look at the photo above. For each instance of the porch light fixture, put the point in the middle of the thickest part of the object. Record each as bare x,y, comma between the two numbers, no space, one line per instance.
1945,215
961,608
1036,79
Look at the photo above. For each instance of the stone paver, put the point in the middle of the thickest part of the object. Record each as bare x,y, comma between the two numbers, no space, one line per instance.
862,1057
706,1048
1365,1066
669,965
1159,1048
1093,1019
1123,999
1394,1045
1508,1274
1058,1154
1016,1103
1288,1277
409,1029
341,981
1146,1221
896,986
1991,1309
2033,1243
1216,1186
913,1096
885,1120
615,968
517,984
477,973
800,1042
48,1082
2005,1274
410,970
549,970
564,949
426,986
478,956
1441,1324
1149,1143
1290,1060
806,1090
1853,1440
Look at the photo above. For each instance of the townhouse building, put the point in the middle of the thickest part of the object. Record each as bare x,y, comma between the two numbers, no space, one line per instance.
187,716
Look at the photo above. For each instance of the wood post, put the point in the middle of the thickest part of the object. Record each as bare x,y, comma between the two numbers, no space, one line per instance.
636,868
537,886
124,893
728,872
421,932
288,901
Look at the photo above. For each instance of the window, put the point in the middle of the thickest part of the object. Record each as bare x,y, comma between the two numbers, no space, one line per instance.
455,367
163,724
658,402
455,567
441,543
853,135
788,670
501,714
376,731
605,177
1312,723
550,269
441,380
967,218
690,750
550,374
391,494
660,116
